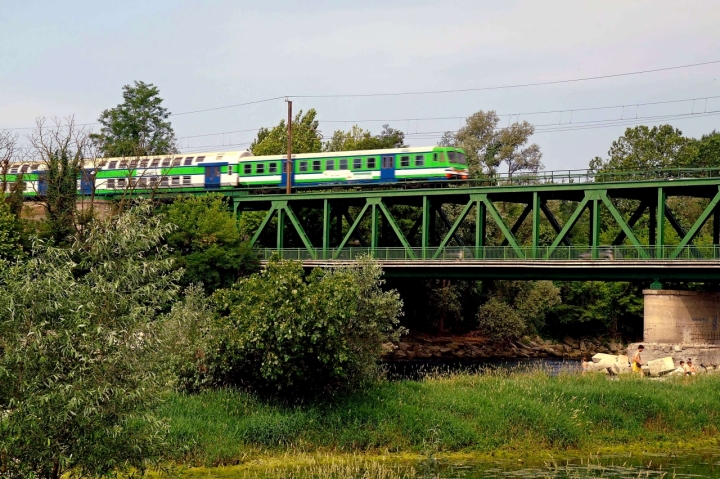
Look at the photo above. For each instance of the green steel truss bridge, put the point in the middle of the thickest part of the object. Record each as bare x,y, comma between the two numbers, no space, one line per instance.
325,228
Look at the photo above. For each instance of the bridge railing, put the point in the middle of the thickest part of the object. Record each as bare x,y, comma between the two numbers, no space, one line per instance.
500,253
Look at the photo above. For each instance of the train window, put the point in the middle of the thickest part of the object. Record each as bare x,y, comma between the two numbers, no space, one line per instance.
317,165
435,158
175,180
133,163
23,168
451,156
260,168
272,167
371,163
123,165
14,169
111,183
155,163
112,165
343,164
419,160
388,162
187,180
142,182
166,162
329,164
461,158
219,158
404,161
144,163
200,159
188,161
164,181
176,161
10,186
247,168
357,164
121,182
303,166
34,166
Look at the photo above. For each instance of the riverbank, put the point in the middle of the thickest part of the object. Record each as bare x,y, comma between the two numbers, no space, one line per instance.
494,415
468,347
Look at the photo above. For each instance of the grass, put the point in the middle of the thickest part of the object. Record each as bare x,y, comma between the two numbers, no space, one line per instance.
492,414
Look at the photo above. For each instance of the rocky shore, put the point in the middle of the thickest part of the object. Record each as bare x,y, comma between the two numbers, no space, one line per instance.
465,347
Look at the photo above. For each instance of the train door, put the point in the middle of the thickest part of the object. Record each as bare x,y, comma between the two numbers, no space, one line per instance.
283,174
212,177
387,172
42,184
87,182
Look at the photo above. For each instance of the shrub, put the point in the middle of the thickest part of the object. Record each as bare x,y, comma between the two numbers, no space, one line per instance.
286,334
499,320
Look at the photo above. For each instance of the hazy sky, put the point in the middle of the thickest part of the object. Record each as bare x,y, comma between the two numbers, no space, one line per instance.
73,57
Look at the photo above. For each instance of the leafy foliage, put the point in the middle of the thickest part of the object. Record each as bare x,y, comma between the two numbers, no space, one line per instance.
359,139
207,243
642,148
10,233
281,333
306,137
487,146
137,126
499,320
77,381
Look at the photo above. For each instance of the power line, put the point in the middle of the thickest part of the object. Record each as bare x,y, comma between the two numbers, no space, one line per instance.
228,106
501,87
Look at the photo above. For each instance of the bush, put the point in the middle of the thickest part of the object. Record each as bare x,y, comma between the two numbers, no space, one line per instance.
499,320
282,333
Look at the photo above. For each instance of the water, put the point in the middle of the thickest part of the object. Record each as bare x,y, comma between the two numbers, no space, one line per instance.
417,369
696,465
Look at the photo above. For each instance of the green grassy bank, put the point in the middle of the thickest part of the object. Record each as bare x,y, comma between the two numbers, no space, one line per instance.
479,414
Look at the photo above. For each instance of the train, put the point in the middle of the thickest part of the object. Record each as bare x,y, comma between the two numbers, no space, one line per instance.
240,169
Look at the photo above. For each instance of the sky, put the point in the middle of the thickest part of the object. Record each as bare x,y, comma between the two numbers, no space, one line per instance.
73,57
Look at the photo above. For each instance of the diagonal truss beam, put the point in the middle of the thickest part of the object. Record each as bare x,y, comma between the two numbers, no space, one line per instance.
490,207
554,222
680,230
351,230
627,229
300,231
350,221
637,214
518,223
568,226
453,228
446,220
264,223
397,230
695,229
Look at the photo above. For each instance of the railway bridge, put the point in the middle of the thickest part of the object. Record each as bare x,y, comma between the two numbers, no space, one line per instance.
466,230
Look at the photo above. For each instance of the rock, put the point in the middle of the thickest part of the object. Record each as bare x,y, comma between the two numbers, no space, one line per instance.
453,346
571,342
661,366
400,354
677,348
403,346
582,345
607,359
567,348
445,350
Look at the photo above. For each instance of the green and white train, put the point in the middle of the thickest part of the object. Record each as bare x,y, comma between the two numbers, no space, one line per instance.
240,169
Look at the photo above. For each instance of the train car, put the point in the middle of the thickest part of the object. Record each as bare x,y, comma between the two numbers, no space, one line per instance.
226,170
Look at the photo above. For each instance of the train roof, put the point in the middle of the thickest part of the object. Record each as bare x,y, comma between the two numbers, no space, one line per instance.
338,154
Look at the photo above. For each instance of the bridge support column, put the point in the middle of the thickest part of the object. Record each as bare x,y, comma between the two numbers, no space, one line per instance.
280,228
535,224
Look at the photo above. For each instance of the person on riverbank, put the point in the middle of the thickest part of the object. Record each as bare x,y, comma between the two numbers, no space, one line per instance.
690,369
637,363
585,365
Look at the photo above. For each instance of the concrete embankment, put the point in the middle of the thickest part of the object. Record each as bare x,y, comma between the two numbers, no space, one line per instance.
466,347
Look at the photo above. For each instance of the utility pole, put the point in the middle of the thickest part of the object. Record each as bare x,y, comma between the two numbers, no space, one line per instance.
288,163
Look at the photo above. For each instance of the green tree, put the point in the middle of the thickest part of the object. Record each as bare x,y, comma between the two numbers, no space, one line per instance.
500,321
642,148
296,336
359,139
10,233
78,329
708,151
306,137
138,126
487,146
207,243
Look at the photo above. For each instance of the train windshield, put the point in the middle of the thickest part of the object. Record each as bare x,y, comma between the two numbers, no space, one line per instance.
460,157
451,156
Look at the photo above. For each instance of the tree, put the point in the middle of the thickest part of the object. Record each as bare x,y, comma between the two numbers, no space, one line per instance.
79,329
499,320
708,151
207,243
359,139
642,148
10,233
487,146
9,152
306,138
295,336
62,148
137,126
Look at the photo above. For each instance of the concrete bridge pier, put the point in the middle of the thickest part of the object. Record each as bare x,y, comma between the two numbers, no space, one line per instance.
681,324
